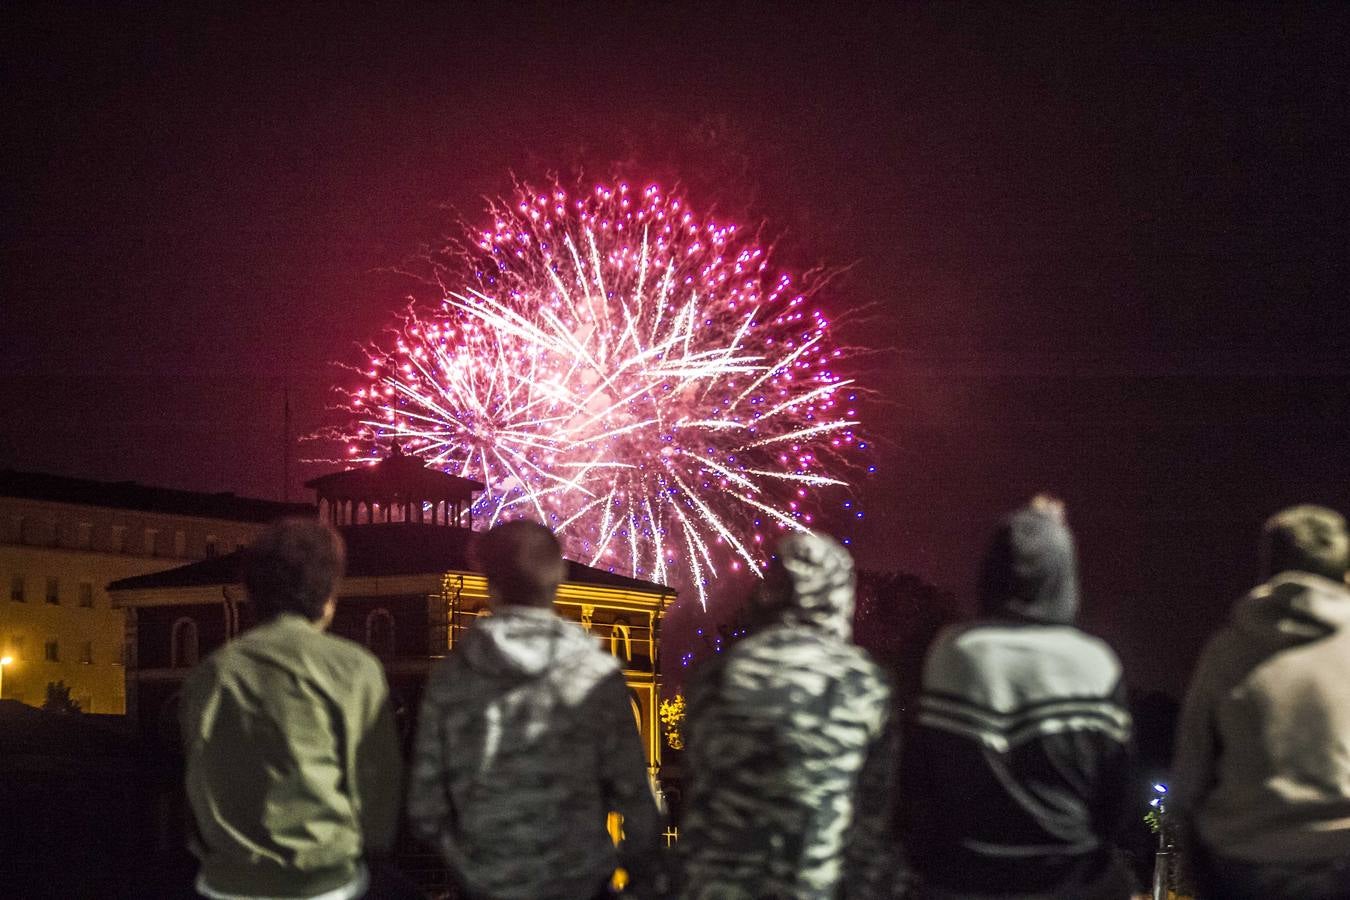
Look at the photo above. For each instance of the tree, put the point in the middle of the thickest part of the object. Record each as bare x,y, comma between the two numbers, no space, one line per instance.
58,699
897,617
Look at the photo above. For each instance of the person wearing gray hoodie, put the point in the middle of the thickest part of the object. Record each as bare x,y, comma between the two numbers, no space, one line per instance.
789,755
526,742
1261,779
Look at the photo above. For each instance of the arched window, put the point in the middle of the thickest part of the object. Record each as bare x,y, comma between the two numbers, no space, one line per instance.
380,632
621,642
637,715
183,647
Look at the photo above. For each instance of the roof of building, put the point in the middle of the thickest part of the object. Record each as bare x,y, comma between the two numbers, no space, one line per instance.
396,477
144,498
382,550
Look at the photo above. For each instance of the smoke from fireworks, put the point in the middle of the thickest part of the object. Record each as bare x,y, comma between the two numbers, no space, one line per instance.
634,376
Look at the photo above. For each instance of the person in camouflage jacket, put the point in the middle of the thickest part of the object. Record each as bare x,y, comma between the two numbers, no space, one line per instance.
790,754
526,741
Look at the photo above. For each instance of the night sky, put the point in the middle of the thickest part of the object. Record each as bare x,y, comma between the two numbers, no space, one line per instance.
1107,247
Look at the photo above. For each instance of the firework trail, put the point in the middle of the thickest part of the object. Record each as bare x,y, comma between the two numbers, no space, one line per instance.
633,375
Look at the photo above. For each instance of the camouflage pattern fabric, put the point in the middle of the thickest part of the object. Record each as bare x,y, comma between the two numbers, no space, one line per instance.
790,754
526,741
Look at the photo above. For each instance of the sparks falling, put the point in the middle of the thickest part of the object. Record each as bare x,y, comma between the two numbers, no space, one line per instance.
631,374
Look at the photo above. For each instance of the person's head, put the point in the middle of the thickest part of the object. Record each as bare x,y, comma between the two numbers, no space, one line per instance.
523,563
294,566
1305,539
808,582
1030,570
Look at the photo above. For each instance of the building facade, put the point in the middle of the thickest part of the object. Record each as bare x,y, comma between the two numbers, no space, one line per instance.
410,592
63,540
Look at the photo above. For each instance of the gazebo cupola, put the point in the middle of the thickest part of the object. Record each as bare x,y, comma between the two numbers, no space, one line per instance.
398,488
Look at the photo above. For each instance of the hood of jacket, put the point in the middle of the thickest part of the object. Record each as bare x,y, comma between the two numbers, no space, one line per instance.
1294,608
526,642
818,588
1030,570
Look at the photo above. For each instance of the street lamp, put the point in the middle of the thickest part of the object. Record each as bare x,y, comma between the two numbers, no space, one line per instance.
4,661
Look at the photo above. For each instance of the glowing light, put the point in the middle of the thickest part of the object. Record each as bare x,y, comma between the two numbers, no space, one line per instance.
632,386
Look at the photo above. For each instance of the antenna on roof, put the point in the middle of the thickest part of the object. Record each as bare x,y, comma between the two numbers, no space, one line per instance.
286,443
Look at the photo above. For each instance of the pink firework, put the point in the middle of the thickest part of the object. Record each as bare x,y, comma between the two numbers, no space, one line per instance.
633,375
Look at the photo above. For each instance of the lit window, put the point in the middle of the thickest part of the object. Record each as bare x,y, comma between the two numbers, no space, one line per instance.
621,642
52,651
87,652
16,589
86,594
53,590
183,644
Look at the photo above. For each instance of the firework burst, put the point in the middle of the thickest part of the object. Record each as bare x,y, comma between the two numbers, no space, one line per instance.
633,375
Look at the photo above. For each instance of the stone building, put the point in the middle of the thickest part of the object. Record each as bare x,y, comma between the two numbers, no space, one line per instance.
409,593
62,540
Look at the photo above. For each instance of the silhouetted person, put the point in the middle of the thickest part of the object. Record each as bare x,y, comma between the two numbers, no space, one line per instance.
526,742
1016,770
1262,773
293,768
788,756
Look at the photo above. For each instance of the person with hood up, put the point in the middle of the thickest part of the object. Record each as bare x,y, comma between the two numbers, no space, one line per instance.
788,755
1016,770
1262,772
526,742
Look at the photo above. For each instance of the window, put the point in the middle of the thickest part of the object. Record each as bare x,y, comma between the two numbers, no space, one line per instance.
117,539
183,644
621,642
87,653
18,647
380,632
87,594
52,651
180,543
53,590
16,588
84,535
211,545
151,536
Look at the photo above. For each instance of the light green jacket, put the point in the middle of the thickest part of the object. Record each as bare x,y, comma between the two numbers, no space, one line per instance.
293,766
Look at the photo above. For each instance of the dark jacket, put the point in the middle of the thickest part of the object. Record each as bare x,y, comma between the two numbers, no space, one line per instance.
1016,767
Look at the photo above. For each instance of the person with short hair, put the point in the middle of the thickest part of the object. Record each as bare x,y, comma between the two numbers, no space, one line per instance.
1261,779
526,742
789,747
293,765
1015,777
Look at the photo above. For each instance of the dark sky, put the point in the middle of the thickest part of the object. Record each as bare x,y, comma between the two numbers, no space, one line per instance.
1108,245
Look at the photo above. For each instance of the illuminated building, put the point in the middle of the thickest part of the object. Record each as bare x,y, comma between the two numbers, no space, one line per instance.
62,540
409,593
